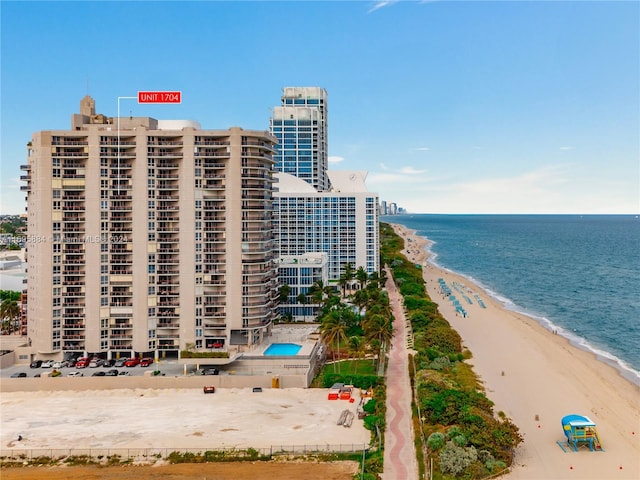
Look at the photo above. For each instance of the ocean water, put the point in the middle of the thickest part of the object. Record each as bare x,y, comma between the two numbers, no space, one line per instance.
577,274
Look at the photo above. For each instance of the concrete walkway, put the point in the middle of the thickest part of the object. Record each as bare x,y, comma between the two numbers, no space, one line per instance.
399,450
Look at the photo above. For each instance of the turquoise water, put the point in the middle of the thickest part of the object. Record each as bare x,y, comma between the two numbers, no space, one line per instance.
283,349
577,274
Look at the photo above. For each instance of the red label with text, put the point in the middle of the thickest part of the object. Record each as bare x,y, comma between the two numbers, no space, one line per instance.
159,97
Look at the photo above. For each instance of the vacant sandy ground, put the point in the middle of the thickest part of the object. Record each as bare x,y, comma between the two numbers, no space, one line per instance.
204,471
175,419
536,378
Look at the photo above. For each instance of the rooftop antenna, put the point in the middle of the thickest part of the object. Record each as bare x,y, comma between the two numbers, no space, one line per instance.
87,85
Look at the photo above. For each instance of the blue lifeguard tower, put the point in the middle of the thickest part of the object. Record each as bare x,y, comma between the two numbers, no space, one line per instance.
580,431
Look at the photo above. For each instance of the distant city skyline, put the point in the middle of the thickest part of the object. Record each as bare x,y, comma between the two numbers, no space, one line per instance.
452,107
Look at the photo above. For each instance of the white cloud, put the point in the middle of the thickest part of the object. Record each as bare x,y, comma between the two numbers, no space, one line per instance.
335,159
422,149
381,4
383,166
552,189
568,148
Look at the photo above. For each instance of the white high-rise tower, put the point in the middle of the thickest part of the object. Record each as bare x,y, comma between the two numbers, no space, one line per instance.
300,125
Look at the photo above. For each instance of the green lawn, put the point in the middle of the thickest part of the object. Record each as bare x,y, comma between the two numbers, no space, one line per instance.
365,367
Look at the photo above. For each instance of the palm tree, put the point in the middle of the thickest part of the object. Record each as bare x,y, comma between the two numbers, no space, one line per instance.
382,279
362,276
302,300
322,294
346,277
10,314
380,328
333,330
360,299
357,347
284,292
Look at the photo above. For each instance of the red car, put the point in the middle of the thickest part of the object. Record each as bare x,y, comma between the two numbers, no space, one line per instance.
145,362
83,362
132,362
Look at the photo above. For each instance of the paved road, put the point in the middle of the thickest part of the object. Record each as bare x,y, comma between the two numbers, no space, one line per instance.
399,450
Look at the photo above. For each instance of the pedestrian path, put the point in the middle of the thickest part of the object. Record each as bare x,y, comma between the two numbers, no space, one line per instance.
399,450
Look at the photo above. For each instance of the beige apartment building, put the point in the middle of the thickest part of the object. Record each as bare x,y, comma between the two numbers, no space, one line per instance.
146,237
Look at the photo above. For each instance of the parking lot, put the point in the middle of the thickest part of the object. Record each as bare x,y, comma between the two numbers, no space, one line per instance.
166,367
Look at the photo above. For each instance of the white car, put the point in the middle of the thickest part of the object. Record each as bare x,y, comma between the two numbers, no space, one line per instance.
75,373
59,364
47,364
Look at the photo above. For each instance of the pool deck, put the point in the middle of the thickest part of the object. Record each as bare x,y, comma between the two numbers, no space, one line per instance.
298,334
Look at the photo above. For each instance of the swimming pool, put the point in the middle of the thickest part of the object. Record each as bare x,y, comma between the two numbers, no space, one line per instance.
287,349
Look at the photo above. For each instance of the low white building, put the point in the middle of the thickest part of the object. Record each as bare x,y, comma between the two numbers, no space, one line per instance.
300,272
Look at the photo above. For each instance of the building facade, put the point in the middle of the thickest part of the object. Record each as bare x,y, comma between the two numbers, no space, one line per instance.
148,237
342,222
300,272
301,124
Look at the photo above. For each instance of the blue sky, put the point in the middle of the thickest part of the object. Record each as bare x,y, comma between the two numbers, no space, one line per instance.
452,107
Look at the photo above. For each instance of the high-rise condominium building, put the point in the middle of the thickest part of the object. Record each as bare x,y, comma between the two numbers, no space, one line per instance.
148,237
300,125
342,222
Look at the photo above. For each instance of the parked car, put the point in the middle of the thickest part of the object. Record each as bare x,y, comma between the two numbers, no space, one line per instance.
47,364
112,373
19,375
95,362
123,373
120,362
145,362
59,364
98,374
82,362
71,362
108,363
132,362
76,374
210,371
36,364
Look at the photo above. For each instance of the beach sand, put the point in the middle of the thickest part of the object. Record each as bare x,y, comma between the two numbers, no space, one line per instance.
537,377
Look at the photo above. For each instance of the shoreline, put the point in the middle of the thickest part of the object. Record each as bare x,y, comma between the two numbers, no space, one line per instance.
625,370
536,377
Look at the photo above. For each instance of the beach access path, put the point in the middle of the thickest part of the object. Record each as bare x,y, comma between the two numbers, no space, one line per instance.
536,377
399,449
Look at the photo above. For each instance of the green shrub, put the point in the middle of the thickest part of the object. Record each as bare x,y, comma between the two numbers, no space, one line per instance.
370,406
374,463
454,459
435,441
359,381
370,422
189,354
440,363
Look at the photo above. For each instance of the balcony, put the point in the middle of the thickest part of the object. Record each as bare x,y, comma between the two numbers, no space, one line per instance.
71,325
171,325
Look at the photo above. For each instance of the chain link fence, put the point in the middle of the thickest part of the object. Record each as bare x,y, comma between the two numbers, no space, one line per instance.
126,455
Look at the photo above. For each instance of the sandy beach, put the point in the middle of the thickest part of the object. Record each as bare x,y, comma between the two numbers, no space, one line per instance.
536,378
